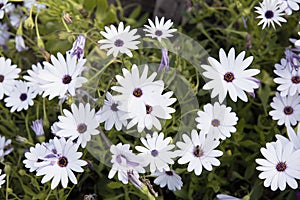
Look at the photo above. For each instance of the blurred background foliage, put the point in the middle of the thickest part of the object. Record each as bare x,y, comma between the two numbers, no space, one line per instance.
214,24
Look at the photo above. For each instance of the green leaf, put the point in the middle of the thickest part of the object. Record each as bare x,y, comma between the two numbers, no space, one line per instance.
114,185
89,5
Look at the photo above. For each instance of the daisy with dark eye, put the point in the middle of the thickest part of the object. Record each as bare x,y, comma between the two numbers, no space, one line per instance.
59,162
217,121
79,124
288,78
160,29
270,11
157,151
230,76
198,151
62,76
286,109
280,165
119,40
20,97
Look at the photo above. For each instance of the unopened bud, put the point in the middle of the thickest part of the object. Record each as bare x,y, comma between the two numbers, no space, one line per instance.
67,17
28,23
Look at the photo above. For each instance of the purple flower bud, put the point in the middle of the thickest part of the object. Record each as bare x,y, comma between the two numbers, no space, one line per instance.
292,59
37,127
164,60
133,177
20,45
78,47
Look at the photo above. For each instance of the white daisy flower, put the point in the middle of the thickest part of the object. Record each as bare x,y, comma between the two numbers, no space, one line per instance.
269,12
230,75
20,97
199,151
5,147
142,99
34,155
160,29
289,6
119,40
3,6
62,76
288,80
124,161
216,120
157,151
149,116
33,79
226,197
80,124
61,162
8,75
168,178
286,109
110,114
280,165
2,178
4,34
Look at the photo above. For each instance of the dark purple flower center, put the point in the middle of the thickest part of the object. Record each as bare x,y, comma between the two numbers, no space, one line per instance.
119,43
23,96
215,123
158,33
66,79
1,5
288,110
1,78
154,153
269,14
169,173
295,79
281,166
228,77
114,107
62,161
81,128
137,92
198,152
148,109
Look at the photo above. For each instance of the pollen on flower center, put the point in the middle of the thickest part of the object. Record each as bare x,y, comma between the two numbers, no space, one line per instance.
158,33
114,107
295,79
269,14
81,128
154,153
229,76
66,79
148,109
288,110
137,92
198,152
169,173
281,166
1,78
62,161
119,43
23,96
215,123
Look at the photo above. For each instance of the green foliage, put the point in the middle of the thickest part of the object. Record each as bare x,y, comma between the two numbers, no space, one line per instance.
214,25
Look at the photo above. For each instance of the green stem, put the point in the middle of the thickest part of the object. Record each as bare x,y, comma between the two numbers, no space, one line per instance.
101,70
7,186
48,195
27,128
